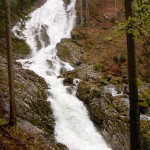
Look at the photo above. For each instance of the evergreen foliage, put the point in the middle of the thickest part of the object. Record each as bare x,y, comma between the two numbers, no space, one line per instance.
139,25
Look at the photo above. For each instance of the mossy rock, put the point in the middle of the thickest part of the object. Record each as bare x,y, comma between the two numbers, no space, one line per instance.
144,99
99,67
108,39
37,79
22,141
72,74
103,81
83,91
68,80
145,134
66,40
144,104
3,79
84,85
40,113
116,80
67,2
110,80
41,94
95,92
3,121
76,34
20,47
62,51
20,86
2,75
69,77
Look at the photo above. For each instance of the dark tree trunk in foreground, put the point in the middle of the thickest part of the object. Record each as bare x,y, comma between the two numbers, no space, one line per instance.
135,142
81,11
10,64
87,11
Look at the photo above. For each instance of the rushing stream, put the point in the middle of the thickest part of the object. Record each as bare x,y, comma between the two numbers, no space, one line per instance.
54,21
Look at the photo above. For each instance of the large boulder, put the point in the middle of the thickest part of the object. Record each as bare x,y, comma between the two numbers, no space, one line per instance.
69,52
111,115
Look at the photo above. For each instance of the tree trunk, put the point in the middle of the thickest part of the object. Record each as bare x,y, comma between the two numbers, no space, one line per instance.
87,10
10,64
81,11
135,141
116,8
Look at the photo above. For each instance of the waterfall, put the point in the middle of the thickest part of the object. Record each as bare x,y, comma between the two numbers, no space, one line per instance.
72,124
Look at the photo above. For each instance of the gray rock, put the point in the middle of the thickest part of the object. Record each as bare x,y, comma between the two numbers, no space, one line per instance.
62,70
49,63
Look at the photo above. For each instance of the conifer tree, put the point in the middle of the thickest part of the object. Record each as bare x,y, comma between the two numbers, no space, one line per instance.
135,142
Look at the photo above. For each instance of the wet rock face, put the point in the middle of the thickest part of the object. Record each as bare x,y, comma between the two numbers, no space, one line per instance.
66,52
109,114
67,2
87,73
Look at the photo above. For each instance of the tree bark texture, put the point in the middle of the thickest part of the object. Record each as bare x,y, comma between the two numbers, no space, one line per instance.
135,141
10,64
87,10
81,11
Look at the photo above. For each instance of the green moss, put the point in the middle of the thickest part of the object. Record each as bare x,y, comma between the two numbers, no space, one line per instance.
103,81
43,118
122,58
62,51
68,80
19,139
123,68
3,78
37,79
83,91
20,47
77,70
116,80
108,39
99,67
2,75
20,86
77,34
67,2
145,134
84,85
3,121
144,104
66,40
144,98
41,94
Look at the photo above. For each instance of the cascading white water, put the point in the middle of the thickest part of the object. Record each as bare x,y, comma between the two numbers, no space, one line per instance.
73,126
112,90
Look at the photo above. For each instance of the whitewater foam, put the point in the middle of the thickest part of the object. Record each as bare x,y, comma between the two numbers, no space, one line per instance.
73,126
